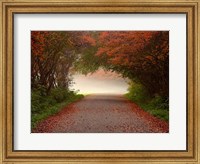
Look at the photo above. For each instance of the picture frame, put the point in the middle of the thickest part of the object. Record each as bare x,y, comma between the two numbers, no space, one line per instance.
10,7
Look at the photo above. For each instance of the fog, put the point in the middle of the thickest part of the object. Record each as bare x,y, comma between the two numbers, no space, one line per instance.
100,82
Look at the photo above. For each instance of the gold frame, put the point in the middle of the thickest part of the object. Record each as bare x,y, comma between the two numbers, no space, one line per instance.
189,7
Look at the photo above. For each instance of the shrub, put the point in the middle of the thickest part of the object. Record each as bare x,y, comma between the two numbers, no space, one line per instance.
157,106
159,102
137,93
43,105
59,94
38,102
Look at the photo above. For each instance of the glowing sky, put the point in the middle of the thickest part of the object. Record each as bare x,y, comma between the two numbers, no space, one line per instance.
100,82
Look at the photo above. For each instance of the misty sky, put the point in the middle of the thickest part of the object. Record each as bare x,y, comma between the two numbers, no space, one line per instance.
100,82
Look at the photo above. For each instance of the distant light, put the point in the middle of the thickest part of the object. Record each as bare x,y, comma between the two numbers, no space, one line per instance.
100,82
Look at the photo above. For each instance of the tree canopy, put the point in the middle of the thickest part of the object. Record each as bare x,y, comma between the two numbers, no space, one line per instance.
141,56
53,55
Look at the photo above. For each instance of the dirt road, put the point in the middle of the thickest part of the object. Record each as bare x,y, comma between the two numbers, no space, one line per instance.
102,114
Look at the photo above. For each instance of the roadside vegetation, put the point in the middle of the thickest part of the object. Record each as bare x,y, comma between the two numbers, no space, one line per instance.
43,105
157,105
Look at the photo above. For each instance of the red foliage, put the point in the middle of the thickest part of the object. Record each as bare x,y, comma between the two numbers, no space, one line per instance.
87,39
119,46
138,54
38,40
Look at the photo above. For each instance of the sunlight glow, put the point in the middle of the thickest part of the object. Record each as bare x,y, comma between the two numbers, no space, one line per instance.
100,82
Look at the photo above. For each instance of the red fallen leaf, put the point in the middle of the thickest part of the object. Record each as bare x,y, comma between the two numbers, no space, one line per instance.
65,120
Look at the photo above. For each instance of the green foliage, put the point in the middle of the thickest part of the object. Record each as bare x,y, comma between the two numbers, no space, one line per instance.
38,100
159,102
137,93
43,106
88,62
59,94
157,106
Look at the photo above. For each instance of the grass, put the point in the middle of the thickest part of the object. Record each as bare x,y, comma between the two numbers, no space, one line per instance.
157,106
45,106
153,108
156,109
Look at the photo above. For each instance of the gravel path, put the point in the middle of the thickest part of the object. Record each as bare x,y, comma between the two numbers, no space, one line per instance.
102,114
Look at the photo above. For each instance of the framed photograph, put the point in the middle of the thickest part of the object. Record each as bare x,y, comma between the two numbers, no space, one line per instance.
96,81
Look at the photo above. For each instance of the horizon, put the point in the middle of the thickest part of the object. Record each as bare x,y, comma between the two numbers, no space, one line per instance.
100,82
